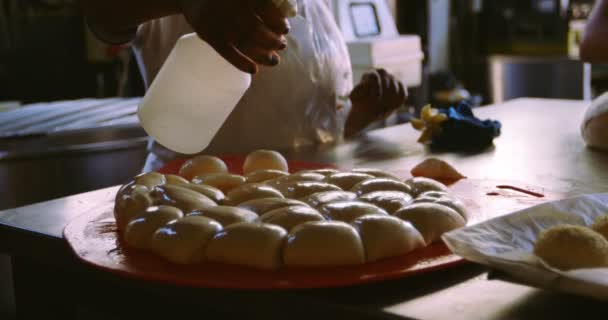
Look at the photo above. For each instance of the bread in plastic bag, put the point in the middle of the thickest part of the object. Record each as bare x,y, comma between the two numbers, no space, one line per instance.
595,123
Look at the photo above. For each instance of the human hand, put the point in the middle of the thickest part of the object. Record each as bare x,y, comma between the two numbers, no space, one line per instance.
245,32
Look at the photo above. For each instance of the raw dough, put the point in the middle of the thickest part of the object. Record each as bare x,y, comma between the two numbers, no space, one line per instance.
150,179
265,175
138,233
421,184
601,226
263,205
594,128
321,198
431,219
445,199
347,180
175,179
390,201
437,169
226,215
376,173
301,189
289,217
223,181
180,197
572,247
348,211
249,192
264,159
380,184
131,200
202,165
210,192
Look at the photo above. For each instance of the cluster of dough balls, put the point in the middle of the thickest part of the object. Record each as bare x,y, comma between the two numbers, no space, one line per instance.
568,247
268,218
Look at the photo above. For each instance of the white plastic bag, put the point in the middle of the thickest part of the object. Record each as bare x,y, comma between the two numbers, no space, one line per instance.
594,128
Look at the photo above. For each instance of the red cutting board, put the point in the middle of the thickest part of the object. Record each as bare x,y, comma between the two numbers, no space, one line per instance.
94,239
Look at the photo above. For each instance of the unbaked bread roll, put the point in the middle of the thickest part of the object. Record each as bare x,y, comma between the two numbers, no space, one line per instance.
176,180
319,199
289,217
263,160
180,197
184,241
150,179
324,171
263,205
202,165
138,233
223,181
380,184
226,215
421,184
131,200
601,226
386,236
251,191
594,128
437,169
296,177
210,192
264,175
431,219
347,180
348,211
569,247
390,201
301,189
323,243
376,173
256,245
445,199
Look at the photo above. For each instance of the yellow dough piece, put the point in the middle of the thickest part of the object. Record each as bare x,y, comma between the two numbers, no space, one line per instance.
249,192
319,199
390,201
184,241
380,184
386,237
210,192
323,243
131,200
176,180
348,211
202,165
265,175
226,182
378,173
421,184
347,180
182,198
256,245
263,205
289,217
431,219
264,160
138,233
437,169
569,247
150,179
444,199
601,226
226,215
301,189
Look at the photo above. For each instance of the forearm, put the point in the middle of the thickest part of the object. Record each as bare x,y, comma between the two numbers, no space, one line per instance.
595,41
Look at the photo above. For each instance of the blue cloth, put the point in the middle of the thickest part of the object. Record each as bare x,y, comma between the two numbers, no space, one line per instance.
463,131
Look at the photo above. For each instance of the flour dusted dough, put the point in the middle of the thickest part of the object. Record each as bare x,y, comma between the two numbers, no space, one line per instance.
226,215
569,247
431,219
202,165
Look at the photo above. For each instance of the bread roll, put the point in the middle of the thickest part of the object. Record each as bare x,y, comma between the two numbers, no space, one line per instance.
386,236
249,192
176,180
265,175
210,192
601,226
182,198
131,200
226,182
263,205
390,201
289,217
226,215
256,245
264,160
569,247
437,169
347,180
444,199
202,165
319,199
380,184
184,241
323,243
376,173
431,219
138,233
150,179
348,211
421,184
301,189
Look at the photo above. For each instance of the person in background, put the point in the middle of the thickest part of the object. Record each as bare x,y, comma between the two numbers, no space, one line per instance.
594,47
251,35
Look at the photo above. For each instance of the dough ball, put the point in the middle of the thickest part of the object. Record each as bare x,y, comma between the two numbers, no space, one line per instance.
376,173
263,205
263,160
321,198
289,217
431,219
265,175
323,243
301,189
444,199
601,226
226,215
150,179
437,169
249,192
138,233
131,200
324,171
184,241
386,237
348,211
226,182
176,180
183,198
421,184
255,245
390,201
569,247
296,177
380,184
594,128
347,180
202,165
210,192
